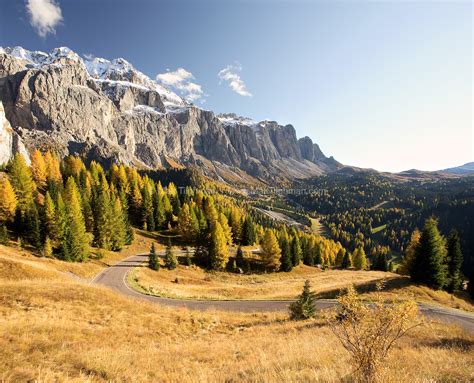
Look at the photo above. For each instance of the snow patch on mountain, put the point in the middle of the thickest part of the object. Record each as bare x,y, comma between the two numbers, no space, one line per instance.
118,71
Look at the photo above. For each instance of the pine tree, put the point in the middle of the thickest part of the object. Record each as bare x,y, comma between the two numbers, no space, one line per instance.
22,182
185,224
119,225
249,236
318,259
430,256
286,260
47,248
305,306
159,211
271,251
76,239
153,262
406,265
340,257
346,261
309,252
455,260
33,226
170,258
210,211
296,251
381,262
103,216
61,220
53,172
128,227
38,168
218,251
136,205
148,219
235,222
225,228
50,225
360,259
8,201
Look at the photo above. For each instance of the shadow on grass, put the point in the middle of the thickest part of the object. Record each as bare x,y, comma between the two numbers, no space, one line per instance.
392,283
460,344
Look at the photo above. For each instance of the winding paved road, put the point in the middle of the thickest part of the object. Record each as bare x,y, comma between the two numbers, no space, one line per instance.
115,278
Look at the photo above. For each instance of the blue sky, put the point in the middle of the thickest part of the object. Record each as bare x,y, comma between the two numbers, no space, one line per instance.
386,85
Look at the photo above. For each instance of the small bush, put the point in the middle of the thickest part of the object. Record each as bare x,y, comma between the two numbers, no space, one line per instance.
368,330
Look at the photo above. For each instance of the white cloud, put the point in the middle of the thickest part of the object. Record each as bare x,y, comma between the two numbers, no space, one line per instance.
45,15
232,76
180,80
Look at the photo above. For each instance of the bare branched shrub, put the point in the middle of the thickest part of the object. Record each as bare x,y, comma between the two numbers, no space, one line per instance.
368,330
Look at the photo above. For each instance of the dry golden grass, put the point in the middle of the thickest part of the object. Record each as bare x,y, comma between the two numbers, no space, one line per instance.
426,295
16,261
194,282
53,328
66,331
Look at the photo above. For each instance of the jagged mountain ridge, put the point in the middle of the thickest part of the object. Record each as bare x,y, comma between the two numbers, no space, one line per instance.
109,111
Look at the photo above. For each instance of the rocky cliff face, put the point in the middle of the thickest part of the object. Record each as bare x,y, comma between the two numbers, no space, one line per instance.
109,111
10,141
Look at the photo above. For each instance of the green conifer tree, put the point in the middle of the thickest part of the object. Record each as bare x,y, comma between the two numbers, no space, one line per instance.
50,224
22,182
296,252
455,260
249,235
346,261
430,257
33,226
360,259
76,238
340,257
119,225
305,306
286,259
153,262
170,258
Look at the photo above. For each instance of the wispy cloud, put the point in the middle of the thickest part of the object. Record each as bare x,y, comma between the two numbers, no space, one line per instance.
231,74
181,81
44,15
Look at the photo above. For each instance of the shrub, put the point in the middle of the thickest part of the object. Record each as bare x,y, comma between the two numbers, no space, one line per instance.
368,330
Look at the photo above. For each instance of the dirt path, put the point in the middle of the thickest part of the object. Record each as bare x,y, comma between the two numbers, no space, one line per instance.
115,277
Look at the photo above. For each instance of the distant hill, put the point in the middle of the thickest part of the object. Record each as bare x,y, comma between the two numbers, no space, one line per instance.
463,169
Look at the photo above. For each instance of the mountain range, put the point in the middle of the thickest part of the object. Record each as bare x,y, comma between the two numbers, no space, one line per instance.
111,112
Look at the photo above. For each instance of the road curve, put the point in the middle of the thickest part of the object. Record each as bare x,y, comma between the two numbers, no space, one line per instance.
115,278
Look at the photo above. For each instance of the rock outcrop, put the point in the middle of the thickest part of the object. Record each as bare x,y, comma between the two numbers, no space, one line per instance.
109,111
10,142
